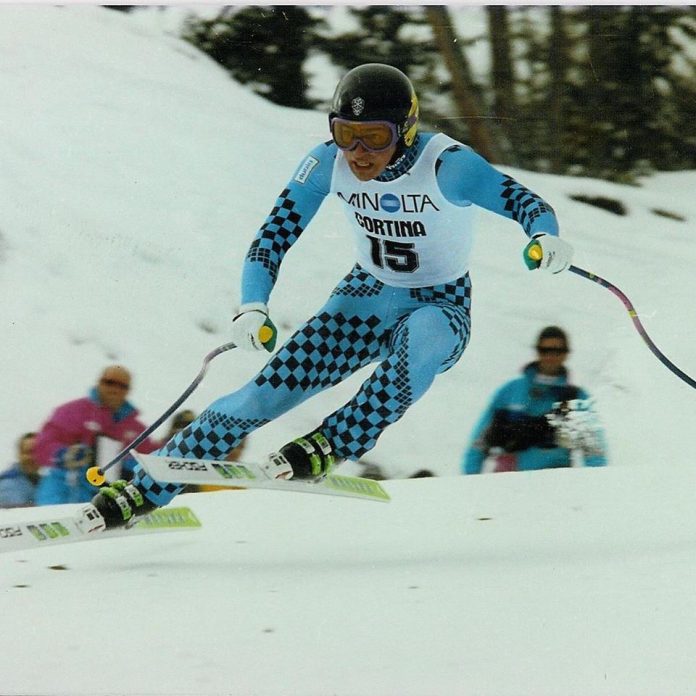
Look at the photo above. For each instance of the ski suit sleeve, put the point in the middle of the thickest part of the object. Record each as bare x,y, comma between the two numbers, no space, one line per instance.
52,488
294,208
15,490
598,455
466,177
475,455
58,486
63,428
473,460
9,496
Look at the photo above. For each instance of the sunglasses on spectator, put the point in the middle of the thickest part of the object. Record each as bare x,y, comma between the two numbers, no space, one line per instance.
114,383
551,350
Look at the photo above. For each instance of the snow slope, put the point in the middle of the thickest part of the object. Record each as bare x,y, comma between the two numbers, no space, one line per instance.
555,583
134,174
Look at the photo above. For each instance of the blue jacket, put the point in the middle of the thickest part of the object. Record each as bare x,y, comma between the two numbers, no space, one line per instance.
531,395
58,486
16,488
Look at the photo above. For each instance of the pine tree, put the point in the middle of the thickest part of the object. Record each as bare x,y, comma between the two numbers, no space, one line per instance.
631,123
502,79
605,91
382,37
468,104
600,94
391,35
264,47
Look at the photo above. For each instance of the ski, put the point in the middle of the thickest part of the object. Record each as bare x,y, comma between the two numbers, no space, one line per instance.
87,525
249,475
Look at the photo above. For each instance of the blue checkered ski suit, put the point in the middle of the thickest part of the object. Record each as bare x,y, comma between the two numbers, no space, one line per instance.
411,333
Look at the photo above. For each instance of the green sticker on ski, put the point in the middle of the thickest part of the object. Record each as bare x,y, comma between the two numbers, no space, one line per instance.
165,518
352,484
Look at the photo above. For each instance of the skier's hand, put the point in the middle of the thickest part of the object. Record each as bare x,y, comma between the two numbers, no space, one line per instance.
74,457
252,328
549,253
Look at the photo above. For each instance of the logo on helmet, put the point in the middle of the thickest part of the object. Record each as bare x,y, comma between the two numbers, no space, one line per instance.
357,104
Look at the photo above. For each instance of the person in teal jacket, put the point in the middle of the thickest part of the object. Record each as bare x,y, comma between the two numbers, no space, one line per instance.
18,483
515,431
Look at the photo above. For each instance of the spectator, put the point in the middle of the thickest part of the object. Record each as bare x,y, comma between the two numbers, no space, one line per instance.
66,445
179,421
18,483
515,431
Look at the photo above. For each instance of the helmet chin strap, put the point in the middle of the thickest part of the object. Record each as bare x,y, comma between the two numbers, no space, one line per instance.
399,152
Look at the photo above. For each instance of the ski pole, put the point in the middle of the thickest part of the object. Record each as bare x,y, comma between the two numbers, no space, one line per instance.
636,322
534,252
95,475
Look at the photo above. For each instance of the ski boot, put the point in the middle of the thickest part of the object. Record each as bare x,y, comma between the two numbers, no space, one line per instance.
120,503
309,458
90,519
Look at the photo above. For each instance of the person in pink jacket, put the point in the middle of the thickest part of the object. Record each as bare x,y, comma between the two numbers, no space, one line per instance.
66,445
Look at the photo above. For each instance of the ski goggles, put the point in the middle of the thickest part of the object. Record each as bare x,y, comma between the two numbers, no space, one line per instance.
375,136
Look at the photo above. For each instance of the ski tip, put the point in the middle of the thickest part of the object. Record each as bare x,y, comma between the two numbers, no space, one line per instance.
368,489
170,518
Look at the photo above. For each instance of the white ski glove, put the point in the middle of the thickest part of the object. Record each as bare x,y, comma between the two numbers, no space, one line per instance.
577,426
549,253
252,328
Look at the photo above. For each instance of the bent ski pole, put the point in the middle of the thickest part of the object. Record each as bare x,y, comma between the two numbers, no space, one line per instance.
636,322
95,475
533,252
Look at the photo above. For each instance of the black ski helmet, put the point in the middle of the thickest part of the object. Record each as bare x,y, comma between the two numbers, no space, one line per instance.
378,92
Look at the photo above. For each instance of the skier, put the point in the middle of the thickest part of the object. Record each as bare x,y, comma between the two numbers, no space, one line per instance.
405,305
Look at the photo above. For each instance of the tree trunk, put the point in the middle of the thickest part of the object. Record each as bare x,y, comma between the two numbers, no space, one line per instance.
503,76
557,68
481,138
